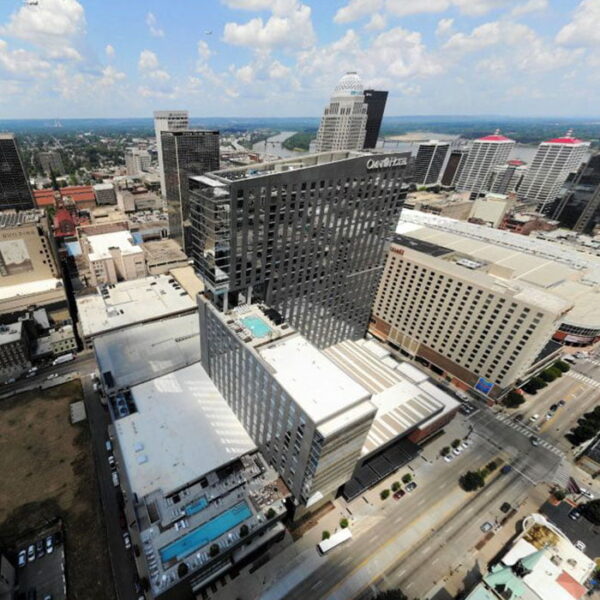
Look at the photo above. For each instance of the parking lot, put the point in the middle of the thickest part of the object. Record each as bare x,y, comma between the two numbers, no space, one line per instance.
41,566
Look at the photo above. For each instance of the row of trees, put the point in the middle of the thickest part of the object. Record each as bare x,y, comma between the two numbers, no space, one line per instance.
543,379
474,480
588,426
406,478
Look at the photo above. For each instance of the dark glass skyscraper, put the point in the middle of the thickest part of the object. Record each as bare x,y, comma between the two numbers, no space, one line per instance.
185,153
429,162
304,235
375,101
14,185
454,166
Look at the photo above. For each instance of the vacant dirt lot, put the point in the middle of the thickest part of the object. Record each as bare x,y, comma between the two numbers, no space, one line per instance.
48,472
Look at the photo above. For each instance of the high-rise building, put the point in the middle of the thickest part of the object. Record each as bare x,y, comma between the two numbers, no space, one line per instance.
343,124
375,101
167,120
429,162
484,155
579,205
305,235
185,153
51,162
136,161
507,178
473,315
551,165
14,184
454,166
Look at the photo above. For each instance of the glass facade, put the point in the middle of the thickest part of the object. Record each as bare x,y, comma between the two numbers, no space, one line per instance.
15,192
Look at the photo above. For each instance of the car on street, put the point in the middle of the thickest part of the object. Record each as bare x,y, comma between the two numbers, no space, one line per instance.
580,545
585,492
505,507
40,550
448,458
108,445
126,540
457,451
22,561
111,460
465,444
115,479
52,376
534,418
518,417
580,354
399,494
575,514
49,545
535,440
486,527
561,402
31,552
553,408
549,415
411,486
48,597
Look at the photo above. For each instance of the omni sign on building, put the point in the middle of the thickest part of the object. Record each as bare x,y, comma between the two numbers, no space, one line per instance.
385,163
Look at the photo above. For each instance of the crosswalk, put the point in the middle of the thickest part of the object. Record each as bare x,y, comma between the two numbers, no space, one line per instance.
584,379
595,362
509,422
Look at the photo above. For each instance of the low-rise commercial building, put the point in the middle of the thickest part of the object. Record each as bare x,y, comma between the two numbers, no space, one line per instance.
163,255
201,495
105,194
447,204
131,302
15,355
466,309
490,210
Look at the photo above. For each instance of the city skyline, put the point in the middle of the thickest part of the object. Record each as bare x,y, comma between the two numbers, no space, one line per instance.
64,58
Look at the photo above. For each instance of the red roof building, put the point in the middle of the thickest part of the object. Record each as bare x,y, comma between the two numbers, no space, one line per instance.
564,140
64,223
44,198
495,138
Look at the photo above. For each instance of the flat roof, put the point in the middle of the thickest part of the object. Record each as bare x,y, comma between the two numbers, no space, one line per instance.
101,244
188,280
142,352
182,430
29,288
404,396
318,385
11,333
163,251
130,302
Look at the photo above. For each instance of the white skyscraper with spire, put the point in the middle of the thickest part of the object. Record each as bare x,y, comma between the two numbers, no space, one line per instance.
553,162
343,124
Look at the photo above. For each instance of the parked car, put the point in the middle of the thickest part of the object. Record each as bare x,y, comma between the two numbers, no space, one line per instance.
126,540
22,561
457,451
111,460
465,444
31,553
448,458
108,446
518,417
580,545
505,507
586,493
561,402
486,527
115,478
535,440
554,408
549,415
49,545
39,549
411,486
399,494
575,514
534,418
52,376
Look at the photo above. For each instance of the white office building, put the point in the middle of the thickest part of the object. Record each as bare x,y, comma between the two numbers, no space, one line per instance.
136,161
553,162
167,120
343,124
484,155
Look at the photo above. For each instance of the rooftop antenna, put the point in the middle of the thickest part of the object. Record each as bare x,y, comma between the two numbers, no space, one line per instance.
497,132
569,133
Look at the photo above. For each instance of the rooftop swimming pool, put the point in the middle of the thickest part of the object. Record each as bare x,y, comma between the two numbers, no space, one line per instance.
196,507
258,327
211,530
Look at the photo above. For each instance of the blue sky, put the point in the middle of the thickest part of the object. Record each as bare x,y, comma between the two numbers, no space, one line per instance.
126,58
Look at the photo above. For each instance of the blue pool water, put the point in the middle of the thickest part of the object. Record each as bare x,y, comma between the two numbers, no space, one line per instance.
206,533
257,326
196,507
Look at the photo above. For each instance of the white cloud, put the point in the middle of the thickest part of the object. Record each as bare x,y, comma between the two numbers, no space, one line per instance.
109,51
278,71
529,7
376,23
148,60
204,51
249,4
403,8
245,74
21,63
55,26
153,27
159,75
583,30
357,9
110,76
444,27
289,26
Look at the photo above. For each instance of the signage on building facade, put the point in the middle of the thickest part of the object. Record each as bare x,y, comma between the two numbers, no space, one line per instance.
385,163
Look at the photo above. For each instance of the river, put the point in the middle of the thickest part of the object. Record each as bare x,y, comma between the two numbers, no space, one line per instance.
273,145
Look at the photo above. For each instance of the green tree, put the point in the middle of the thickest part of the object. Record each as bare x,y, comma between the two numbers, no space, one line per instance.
325,535
384,494
591,511
547,376
343,523
513,399
471,481
244,531
407,478
455,443
562,366
271,513
492,466
559,494
214,550
445,451
395,486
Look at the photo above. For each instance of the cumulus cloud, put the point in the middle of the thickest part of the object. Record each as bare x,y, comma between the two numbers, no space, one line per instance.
110,76
148,60
21,63
529,7
583,30
357,9
290,26
444,27
376,23
153,27
55,26
109,51
403,8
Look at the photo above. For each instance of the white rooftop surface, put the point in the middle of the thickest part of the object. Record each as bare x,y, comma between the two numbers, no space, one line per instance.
544,269
142,352
131,302
183,430
29,288
319,386
101,243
